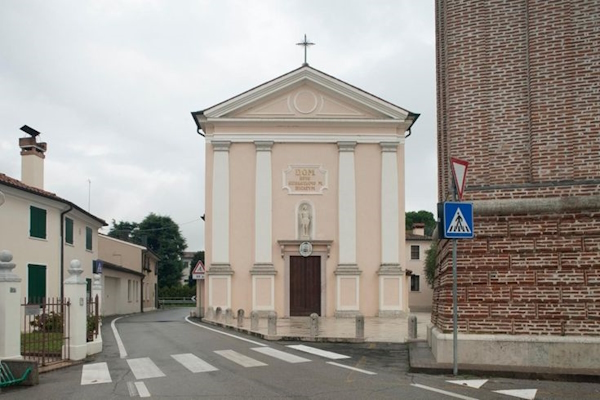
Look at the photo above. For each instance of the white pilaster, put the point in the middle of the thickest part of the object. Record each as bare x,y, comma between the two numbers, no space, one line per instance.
347,204
220,203
263,206
390,219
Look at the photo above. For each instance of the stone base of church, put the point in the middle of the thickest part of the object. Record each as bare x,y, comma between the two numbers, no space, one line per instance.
546,351
392,314
346,313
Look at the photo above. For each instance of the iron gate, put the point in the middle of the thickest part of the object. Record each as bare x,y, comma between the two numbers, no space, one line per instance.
45,330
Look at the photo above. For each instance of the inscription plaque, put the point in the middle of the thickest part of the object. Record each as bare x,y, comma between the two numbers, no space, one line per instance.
305,179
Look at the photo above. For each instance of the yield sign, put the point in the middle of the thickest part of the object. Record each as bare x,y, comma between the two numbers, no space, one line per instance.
459,171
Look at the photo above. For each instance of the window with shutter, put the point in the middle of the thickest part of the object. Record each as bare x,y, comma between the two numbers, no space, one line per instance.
69,230
37,222
36,283
88,238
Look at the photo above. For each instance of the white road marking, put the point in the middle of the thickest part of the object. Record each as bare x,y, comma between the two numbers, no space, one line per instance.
225,333
132,389
144,368
95,373
364,371
281,355
142,389
122,351
318,352
474,383
193,363
240,358
527,394
455,395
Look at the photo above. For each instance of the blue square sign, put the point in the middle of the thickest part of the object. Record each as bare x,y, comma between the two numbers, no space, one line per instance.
458,220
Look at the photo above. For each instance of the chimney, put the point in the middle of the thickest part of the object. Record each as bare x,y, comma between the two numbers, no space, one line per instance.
32,158
418,228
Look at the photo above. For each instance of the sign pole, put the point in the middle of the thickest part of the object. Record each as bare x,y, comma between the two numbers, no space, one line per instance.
455,303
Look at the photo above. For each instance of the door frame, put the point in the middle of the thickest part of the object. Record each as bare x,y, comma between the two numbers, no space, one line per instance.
291,248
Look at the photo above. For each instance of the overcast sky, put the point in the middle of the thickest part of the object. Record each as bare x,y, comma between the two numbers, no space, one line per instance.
111,84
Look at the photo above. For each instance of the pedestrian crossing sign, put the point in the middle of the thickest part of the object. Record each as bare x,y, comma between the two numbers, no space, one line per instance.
458,220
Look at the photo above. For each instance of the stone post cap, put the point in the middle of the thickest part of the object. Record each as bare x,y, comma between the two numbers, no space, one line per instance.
75,272
5,255
6,267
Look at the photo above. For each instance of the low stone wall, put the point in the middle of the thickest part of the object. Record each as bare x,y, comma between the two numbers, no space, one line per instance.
18,368
543,351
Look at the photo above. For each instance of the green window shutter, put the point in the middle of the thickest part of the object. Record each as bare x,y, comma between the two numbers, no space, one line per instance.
37,222
36,283
69,230
88,287
88,238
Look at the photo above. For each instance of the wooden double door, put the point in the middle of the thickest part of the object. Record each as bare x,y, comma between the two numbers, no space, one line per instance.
305,285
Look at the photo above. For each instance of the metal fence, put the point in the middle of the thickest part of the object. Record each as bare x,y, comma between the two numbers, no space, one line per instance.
176,301
45,331
93,318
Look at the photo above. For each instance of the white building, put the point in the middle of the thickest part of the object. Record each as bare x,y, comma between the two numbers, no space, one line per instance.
43,231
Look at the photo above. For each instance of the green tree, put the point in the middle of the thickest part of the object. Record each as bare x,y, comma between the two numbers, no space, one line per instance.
422,216
431,262
123,230
161,235
198,256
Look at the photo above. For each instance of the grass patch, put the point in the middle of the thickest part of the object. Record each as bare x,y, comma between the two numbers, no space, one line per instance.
39,342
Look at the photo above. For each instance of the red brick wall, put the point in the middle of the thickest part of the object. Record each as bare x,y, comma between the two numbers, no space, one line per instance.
519,98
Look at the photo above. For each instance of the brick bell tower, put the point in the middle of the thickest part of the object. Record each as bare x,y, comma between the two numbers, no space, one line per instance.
519,99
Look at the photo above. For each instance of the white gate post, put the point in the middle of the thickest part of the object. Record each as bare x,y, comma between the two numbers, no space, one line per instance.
10,308
75,290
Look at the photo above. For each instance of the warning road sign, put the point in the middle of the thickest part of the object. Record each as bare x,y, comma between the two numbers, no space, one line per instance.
198,271
458,220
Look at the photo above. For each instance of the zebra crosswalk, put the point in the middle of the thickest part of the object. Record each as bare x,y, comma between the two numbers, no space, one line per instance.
146,368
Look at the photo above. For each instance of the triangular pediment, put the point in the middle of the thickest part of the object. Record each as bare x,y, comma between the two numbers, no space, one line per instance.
305,93
305,101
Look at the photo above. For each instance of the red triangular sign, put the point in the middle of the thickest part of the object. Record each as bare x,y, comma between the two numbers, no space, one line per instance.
199,268
459,171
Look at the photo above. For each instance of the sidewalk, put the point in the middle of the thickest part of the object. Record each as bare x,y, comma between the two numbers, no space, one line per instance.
331,329
395,330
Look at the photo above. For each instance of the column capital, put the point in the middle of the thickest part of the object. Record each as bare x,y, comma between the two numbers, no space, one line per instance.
222,145
389,147
263,145
346,146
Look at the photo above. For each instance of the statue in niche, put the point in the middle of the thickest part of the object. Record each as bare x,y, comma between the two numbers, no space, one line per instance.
304,219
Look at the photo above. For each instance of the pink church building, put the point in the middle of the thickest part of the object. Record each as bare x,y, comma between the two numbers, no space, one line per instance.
305,199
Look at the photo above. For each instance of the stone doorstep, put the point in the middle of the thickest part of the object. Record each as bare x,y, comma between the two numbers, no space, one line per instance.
421,360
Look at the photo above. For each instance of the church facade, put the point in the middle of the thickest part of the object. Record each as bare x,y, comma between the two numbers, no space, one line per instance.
305,199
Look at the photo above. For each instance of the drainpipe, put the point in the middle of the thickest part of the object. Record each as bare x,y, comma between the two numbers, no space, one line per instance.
142,283
62,251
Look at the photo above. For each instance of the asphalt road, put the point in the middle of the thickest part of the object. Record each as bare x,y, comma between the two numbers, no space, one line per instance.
165,356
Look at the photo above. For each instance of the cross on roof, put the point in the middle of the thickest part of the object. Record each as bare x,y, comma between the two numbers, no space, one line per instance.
305,43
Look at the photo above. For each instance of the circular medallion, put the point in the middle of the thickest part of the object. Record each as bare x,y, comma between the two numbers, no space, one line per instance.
305,102
305,249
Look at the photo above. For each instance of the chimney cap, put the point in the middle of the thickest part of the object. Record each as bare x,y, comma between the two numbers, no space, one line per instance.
30,131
